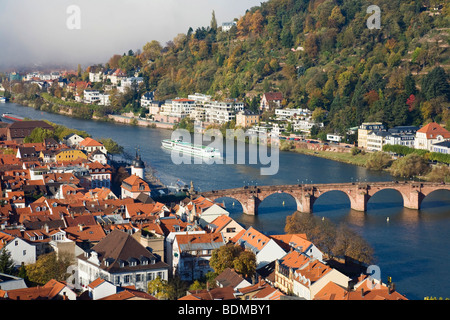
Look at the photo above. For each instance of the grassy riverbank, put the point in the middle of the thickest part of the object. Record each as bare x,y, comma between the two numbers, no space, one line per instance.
346,157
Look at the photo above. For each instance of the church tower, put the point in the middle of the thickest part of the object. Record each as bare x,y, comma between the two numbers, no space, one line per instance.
137,166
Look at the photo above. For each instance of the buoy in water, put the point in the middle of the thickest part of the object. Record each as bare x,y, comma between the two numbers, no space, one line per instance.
387,219
233,203
283,203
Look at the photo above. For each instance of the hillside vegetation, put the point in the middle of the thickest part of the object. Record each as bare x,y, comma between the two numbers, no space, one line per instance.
319,54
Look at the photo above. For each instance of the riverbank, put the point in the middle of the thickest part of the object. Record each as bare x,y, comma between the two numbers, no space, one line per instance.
346,157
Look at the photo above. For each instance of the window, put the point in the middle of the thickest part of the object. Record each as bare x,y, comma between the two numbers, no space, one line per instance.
24,252
126,279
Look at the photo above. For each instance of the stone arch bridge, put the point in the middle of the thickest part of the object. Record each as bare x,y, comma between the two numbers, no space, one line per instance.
305,195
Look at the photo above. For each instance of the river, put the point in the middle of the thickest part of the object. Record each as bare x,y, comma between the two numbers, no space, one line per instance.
412,247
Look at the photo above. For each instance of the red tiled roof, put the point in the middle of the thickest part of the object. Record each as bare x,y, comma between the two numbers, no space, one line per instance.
89,142
433,130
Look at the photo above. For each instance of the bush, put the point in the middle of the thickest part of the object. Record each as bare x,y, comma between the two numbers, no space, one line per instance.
378,161
410,166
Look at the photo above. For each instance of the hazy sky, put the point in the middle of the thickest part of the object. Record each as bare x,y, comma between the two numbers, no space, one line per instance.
36,31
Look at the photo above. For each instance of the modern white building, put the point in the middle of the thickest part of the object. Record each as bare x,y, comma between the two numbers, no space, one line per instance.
305,125
91,96
221,111
284,114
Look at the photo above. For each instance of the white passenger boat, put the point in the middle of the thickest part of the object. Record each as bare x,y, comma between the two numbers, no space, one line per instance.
190,148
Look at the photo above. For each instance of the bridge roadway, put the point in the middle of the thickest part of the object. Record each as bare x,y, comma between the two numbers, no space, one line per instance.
305,195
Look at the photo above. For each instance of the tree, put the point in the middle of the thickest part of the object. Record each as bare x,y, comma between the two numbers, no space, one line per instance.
7,265
159,288
300,222
409,166
49,266
39,135
213,23
232,256
378,161
223,257
129,63
245,263
256,22
348,243
151,51
336,19
111,146
114,61
436,84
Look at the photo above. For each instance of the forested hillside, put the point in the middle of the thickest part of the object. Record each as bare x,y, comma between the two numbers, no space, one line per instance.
319,54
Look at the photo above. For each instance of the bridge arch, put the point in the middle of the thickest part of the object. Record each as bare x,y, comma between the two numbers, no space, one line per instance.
233,202
268,196
346,195
405,198
428,196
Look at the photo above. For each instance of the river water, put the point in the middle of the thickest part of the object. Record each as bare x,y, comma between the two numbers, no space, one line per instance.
411,248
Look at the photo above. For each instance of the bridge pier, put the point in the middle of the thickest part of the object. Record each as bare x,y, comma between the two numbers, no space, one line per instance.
252,205
307,202
359,201
414,200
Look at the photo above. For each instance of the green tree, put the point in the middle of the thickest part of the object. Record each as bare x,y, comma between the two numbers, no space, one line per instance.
39,135
378,161
111,146
159,288
49,266
245,263
7,265
409,166
223,257
436,84
232,256
213,23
